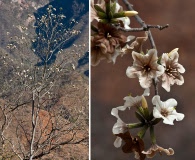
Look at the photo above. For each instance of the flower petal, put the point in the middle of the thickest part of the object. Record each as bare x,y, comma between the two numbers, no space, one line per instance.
119,127
179,116
180,68
132,101
132,72
118,142
146,92
160,70
171,103
118,7
145,82
121,108
157,102
156,113
180,80
169,119
126,22
164,59
174,56
130,38
114,112
166,82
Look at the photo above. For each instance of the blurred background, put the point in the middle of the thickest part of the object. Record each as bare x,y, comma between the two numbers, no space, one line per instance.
109,84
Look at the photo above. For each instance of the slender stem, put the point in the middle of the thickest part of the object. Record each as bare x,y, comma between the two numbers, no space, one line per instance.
146,28
152,135
141,22
134,125
155,83
142,132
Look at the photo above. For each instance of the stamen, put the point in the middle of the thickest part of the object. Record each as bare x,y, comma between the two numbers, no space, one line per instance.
108,35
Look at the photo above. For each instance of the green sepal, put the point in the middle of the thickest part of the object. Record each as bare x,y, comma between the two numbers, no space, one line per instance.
144,112
156,121
159,59
142,132
114,21
135,125
119,15
142,53
93,28
104,21
110,15
141,111
98,8
140,117
102,15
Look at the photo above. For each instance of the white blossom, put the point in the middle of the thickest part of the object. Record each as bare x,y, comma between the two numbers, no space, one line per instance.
166,110
145,67
173,70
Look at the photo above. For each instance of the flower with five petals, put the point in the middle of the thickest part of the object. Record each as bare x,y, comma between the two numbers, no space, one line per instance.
166,110
173,70
145,67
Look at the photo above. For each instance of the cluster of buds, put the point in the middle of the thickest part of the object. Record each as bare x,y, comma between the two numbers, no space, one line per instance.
107,42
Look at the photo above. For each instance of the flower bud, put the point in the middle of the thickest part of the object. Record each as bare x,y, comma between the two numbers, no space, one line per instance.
102,15
144,103
130,13
174,50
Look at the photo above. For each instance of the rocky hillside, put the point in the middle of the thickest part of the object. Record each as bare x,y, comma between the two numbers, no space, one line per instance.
58,78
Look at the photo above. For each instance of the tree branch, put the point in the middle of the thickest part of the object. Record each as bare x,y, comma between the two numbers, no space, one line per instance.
145,28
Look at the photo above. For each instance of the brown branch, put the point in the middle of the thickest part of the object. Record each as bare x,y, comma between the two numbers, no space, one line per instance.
141,22
145,28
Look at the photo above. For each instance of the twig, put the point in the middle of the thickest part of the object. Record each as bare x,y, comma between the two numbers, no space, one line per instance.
141,22
145,28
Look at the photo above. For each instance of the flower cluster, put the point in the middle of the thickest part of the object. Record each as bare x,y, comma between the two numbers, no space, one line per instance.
161,110
149,69
108,41
148,66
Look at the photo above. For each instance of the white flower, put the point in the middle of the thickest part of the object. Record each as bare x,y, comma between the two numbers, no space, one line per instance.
119,126
135,101
120,51
172,70
166,110
126,22
145,67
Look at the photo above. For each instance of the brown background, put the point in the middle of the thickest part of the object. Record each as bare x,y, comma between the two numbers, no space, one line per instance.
109,84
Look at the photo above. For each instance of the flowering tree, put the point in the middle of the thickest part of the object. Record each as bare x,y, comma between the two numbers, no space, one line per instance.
110,38
35,120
